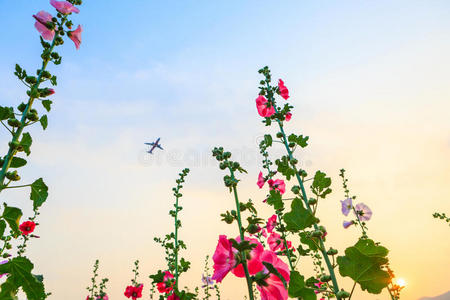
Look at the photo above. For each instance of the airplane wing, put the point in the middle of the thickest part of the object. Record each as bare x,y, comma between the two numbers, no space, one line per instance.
159,146
151,144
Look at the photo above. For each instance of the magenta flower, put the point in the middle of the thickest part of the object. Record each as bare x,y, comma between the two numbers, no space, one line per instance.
261,106
275,242
64,7
254,263
223,258
273,288
277,185
363,212
284,92
42,19
261,180
347,224
346,206
75,36
288,117
271,223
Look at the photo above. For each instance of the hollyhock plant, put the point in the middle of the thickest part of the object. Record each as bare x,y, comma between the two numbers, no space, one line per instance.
271,223
261,181
75,36
263,110
288,117
167,284
254,262
273,287
277,185
363,212
224,259
347,206
134,292
64,7
42,24
27,227
284,92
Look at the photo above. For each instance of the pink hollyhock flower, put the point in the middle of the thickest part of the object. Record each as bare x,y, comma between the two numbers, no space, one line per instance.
88,298
173,297
363,212
27,227
263,110
275,242
347,224
64,7
261,180
102,298
274,288
277,185
75,36
346,206
284,92
167,285
223,258
254,264
134,292
42,18
271,223
288,117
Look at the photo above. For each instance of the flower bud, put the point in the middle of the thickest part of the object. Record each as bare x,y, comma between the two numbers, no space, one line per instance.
252,228
30,79
22,106
312,201
223,166
343,294
32,116
291,144
332,251
325,278
316,233
295,189
14,144
279,135
14,122
13,176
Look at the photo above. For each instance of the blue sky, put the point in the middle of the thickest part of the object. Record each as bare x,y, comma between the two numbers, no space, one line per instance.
369,81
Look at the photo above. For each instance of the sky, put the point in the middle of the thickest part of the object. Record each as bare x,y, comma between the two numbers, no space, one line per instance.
369,82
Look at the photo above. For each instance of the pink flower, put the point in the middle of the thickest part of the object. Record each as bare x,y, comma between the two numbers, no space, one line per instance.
347,224
254,264
42,18
288,117
167,285
276,242
105,297
274,288
27,227
271,223
261,180
75,36
173,297
64,7
261,106
223,258
363,212
284,92
134,292
277,185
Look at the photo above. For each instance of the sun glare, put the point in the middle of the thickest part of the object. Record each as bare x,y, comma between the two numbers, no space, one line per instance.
401,282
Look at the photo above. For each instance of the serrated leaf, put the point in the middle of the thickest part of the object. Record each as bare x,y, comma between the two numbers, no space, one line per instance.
363,263
26,142
6,112
298,289
275,199
39,192
12,216
44,121
299,217
268,140
53,80
47,104
321,184
19,270
17,162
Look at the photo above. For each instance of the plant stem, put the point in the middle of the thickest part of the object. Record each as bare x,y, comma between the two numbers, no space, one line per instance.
351,293
12,150
176,243
241,234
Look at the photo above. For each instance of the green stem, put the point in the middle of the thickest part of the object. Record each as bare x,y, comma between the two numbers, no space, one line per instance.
305,200
12,150
176,243
353,289
241,234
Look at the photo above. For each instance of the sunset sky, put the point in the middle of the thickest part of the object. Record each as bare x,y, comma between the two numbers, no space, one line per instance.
369,82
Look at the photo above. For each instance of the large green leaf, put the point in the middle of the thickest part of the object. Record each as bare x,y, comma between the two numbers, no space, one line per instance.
321,184
12,216
275,199
19,275
39,193
363,263
298,218
17,162
26,142
6,112
297,288
44,121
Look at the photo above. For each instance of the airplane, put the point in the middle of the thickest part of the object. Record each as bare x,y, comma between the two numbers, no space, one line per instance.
154,145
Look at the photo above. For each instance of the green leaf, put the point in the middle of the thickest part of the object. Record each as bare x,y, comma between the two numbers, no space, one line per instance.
275,200
39,192
363,263
2,227
284,167
320,185
17,162
53,80
26,143
47,104
44,121
19,270
12,216
6,112
268,140
298,289
308,240
298,218
299,140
